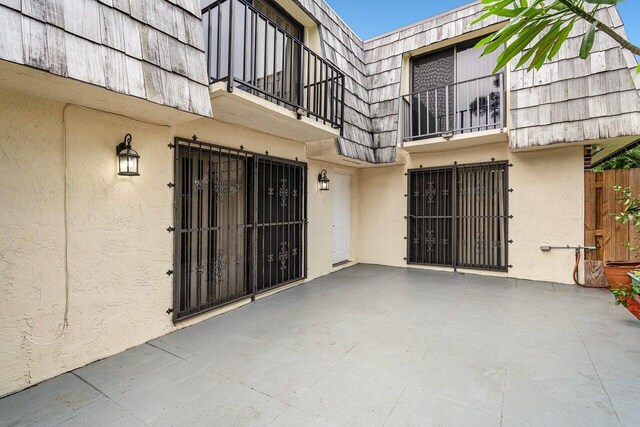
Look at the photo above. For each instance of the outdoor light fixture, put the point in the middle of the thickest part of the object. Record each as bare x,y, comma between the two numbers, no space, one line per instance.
128,158
323,181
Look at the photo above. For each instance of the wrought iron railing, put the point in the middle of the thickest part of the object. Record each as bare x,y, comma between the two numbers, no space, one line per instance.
463,107
249,51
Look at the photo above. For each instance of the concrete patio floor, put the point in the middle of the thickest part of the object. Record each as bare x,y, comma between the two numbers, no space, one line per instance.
370,345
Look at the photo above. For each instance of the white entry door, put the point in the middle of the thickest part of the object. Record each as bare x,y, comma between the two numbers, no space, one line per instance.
341,189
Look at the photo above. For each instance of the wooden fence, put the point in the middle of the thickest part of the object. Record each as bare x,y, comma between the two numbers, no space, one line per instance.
600,227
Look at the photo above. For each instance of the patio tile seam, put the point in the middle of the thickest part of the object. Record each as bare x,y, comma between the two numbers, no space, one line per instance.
122,388
168,352
320,377
325,420
288,405
394,405
560,387
103,394
508,341
615,411
459,402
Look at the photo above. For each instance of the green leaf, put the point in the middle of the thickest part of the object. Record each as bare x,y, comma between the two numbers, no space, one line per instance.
562,37
524,38
587,41
601,1
544,46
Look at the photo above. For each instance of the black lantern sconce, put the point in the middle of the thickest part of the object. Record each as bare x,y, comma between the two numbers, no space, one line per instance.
323,181
128,158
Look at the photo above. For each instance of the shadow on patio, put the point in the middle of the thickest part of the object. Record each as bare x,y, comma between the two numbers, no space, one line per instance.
370,345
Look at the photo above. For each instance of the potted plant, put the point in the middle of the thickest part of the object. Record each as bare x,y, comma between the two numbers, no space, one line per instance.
628,294
618,273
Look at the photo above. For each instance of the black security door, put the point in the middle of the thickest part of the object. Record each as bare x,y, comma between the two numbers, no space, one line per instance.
240,225
482,216
431,216
458,216
280,222
212,196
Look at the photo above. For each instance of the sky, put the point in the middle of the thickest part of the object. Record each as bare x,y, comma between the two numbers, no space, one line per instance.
369,18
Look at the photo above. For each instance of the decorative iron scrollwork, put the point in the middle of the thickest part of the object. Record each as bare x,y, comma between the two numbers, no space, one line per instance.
235,188
219,267
200,269
430,192
294,251
430,240
270,258
220,186
478,243
270,191
283,256
283,192
201,184
479,191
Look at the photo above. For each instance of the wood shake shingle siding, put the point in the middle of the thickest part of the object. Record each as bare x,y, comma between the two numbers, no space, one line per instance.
154,49
343,48
567,100
572,100
149,49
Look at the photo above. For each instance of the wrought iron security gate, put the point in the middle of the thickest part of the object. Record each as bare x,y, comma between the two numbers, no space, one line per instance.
240,225
280,222
430,216
458,216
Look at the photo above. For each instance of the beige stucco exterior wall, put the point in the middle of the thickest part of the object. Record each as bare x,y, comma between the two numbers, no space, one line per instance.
118,248
547,205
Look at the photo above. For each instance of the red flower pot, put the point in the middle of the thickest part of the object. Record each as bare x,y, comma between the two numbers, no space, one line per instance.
616,272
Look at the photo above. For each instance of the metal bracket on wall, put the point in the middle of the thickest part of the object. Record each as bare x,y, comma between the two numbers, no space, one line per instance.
169,272
171,185
169,310
172,145
171,229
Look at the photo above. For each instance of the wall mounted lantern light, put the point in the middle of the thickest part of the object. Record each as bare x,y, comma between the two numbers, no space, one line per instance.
128,158
323,181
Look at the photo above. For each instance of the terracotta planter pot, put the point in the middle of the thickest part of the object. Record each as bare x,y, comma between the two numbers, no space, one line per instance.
616,272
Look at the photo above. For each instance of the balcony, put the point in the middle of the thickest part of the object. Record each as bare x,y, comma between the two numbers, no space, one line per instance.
472,108
286,89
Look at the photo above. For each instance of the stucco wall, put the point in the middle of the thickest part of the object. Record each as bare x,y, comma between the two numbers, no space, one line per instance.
547,205
118,247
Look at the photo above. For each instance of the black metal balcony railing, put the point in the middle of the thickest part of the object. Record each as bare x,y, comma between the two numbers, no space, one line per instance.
250,52
463,107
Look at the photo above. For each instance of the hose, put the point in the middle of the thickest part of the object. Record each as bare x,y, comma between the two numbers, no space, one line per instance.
575,270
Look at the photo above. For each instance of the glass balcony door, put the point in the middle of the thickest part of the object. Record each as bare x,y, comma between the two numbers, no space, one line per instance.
453,91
